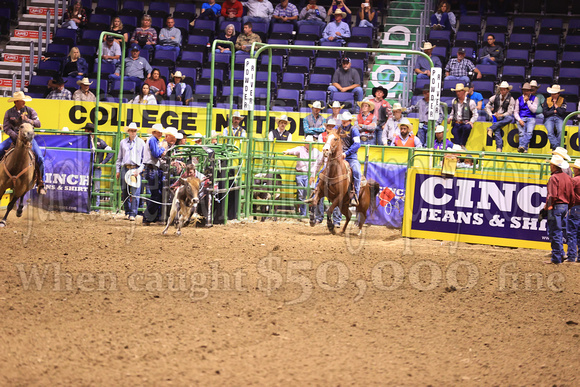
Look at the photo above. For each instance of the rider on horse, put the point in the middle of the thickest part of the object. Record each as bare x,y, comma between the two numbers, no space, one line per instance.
15,117
350,146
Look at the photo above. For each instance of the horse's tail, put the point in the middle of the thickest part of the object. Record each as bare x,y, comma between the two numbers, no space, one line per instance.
374,190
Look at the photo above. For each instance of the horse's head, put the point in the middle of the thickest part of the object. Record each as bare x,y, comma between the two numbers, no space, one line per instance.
26,133
333,144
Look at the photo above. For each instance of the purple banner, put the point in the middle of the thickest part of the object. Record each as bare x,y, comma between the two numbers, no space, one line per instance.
391,178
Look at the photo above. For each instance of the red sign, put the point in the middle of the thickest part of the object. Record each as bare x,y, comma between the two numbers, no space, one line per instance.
29,34
43,11
18,58
4,82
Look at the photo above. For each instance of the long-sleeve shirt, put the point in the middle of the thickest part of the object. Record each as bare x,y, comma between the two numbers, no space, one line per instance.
318,126
560,107
247,40
12,120
139,32
302,153
97,143
135,67
391,130
153,151
532,105
236,6
422,107
560,189
261,9
166,34
131,153
289,11
350,143
423,64
495,52
62,94
576,195
332,28
457,115
489,107
312,14
79,95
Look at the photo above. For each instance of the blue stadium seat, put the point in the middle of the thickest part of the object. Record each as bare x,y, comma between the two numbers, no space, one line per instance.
542,74
104,86
346,98
204,27
517,58
548,42
319,81
570,59
262,80
292,81
282,31
49,68
158,9
277,63
132,8
107,7
361,35
39,84
164,58
467,39
308,32
65,36
551,26
129,22
57,50
488,72
288,98
237,26
520,41
572,43
497,24
545,58
129,88
569,75
325,66
525,25
313,95
99,22
185,10
196,43
513,74
486,88
570,92
470,23
192,59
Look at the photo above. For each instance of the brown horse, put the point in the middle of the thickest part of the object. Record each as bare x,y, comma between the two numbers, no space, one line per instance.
334,183
17,170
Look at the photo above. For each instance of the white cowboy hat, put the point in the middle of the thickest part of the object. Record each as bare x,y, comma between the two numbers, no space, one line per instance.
563,152
19,96
65,129
179,136
533,83
309,138
132,126
368,101
427,46
405,121
131,179
555,89
84,81
456,147
335,105
283,117
315,105
576,164
331,122
237,115
559,161
339,12
397,106
505,85
178,74
460,86
156,128
197,136
172,132
526,86
346,116
439,129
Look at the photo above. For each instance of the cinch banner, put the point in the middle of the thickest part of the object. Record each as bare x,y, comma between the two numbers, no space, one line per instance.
489,209
67,173
391,177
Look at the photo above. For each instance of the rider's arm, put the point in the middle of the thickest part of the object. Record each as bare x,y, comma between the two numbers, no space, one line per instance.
353,149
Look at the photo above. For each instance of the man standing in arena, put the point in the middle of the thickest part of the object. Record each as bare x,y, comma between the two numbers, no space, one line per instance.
573,218
130,158
153,173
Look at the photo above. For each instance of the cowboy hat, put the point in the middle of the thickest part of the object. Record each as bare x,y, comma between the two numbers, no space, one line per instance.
309,138
439,129
381,88
331,122
562,152
505,85
576,164
526,86
405,121
132,126
456,147
555,89
283,117
156,128
338,11
170,130
559,161
131,179
397,106
346,116
197,136
315,105
427,46
19,96
178,74
459,87
336,105
237,115
89,126
533,83
368,101
84,81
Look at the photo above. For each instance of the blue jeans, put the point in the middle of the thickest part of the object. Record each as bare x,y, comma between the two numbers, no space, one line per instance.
422,133
355,166
423,76
487,61
357,91
553,126
131,205
35,149
556,224
319,213
365,23
336,39
168,48
154,177
573,229
302,181
461,133
138,81
526,131
464,79
496,127
316,22
379,135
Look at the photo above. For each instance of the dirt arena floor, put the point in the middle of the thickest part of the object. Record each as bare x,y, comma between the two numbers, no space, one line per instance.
98,300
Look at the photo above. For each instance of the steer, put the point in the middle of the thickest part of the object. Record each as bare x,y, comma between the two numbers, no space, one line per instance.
184,202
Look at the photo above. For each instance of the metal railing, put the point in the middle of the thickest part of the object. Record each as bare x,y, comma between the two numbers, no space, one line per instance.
568,117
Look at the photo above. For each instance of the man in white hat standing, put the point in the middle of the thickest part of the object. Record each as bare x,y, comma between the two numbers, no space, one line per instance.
83,94
573,218
405,138
541,99
346,79
180,90
422,107
525,116
336,30
280,133
367,122
13,118
422,66
314,122
554,113
463,115
501,106
98,158
130,158
153,173
237,130
391,128
560,196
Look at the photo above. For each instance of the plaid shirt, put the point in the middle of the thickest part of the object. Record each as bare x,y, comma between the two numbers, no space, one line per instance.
60,94
459,69
289,11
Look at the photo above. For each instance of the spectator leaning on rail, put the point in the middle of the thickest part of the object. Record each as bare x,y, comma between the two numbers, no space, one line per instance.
525,117
59,92
130,158
492,53
458,69
169,37
554,113
367,122
135,66
337,30
346,79
245,39
280,133
83,94
145,36
439,131
391,128
541,99
259,11
560,197
463,115
422,107
314,122
422,66
501,106
405,138
153,174
313,14
573,218
237,130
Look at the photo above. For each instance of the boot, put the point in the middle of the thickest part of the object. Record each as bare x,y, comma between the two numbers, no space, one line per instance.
40,186
312,197
354,200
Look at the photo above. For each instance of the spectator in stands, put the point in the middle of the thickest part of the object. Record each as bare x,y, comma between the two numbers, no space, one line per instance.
83,93
182,91
313,14
346,79
280,133
492,53
541,99
228,34
144,98
524,114
98,157
340,5
458,68
501,106
405,136
118,28
382,111
130,158
554,112
367,122
75,65
314,122
422,107
439,132
145,36
336,30
443,19
135,66
245,39
366,14
237,130
156,85
259,11
232,10
391,128
463,115
336,110
59,92
111,51
210,10
285,12
75,17
478,99
169,37
422,66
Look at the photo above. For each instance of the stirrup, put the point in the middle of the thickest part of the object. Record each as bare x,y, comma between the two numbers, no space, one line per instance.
354,200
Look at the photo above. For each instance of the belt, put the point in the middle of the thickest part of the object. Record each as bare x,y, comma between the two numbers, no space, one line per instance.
130,166
151,166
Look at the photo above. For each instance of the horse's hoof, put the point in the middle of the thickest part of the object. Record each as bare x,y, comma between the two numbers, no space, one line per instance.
164,233
2,224
312,224
18,214
178,233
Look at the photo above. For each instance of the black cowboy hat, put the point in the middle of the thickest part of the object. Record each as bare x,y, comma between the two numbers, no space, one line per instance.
89,126
381,88
57,79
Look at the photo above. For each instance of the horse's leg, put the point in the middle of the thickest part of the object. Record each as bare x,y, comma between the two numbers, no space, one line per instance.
315,202
20,207
329,222
8,209
345,209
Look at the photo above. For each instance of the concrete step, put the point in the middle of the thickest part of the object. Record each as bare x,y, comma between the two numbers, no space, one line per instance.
11,67
33,25
17,58
29,34
42,10
34,19
18,49
44,3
